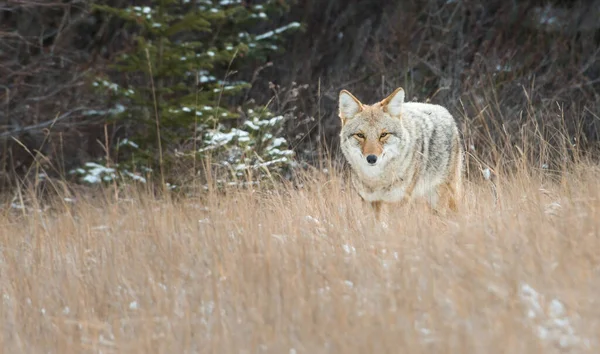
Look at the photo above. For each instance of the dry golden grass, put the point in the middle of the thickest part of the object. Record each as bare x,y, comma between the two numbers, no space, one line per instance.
306,271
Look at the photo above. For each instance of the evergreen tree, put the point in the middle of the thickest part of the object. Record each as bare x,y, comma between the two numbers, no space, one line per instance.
180,84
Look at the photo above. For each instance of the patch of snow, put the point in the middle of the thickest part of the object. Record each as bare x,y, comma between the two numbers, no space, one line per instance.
119,108
487,173
277,31
552,208
96,173
134,176
207,308
324,290
349,249
128,142
216,138
146,10
277,142
251,125
273,121
312,219
272,162
505,68
551,324
545,16
110,85
278,152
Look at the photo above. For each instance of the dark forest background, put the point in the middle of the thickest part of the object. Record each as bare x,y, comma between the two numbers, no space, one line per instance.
521,77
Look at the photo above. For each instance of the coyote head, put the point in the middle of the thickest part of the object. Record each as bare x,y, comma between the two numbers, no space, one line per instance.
371,135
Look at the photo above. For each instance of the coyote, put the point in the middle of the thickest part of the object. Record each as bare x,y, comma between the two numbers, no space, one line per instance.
399,151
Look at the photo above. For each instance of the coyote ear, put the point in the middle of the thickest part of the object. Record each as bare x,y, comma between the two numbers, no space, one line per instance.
349,106
393,103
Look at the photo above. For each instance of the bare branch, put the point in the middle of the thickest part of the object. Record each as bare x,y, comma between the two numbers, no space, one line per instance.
40,126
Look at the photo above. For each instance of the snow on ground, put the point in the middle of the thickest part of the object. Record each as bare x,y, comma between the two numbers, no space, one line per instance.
277,31
549,319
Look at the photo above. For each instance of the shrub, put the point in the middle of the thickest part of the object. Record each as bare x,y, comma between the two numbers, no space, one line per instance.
178,87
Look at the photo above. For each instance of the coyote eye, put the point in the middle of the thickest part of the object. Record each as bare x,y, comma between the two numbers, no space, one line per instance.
383,135
360,135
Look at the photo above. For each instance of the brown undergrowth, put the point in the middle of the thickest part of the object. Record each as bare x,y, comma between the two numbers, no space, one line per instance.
303,270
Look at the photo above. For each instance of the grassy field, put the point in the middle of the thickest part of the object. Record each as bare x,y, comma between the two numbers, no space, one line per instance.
305,271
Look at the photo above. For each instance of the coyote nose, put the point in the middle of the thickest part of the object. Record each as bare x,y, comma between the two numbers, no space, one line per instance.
371,159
